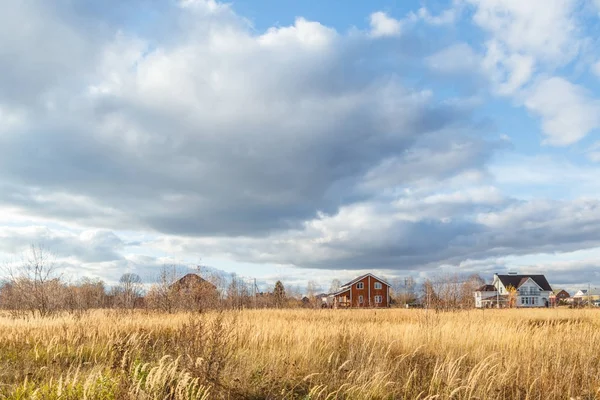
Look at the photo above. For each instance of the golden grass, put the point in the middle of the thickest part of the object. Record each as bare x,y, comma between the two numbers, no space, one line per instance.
304,354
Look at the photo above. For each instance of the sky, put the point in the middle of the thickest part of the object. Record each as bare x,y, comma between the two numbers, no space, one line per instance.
303,140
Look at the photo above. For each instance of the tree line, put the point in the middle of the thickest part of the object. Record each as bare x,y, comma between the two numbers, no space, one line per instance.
34,286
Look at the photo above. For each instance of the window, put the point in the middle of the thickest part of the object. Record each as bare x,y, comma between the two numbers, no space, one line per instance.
378,285
378,299
360,285
360,299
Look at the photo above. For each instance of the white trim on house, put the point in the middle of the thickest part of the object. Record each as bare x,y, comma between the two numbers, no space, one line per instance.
388,295
369,289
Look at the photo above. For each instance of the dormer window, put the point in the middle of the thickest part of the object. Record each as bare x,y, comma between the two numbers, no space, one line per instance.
360,285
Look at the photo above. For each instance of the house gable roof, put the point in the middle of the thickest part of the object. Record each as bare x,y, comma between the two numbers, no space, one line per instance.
517,280
486,288
362,277
190,280
341,291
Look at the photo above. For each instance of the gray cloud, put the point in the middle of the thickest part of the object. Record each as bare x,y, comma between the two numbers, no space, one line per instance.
223,132
92,246
425,232
301,145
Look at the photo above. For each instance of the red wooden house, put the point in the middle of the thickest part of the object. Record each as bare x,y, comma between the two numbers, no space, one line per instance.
365,291
557,296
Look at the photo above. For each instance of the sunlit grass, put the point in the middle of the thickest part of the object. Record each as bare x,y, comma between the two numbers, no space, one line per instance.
304,354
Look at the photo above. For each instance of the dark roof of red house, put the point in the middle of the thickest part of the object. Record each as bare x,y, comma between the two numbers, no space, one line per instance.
517,280
191,280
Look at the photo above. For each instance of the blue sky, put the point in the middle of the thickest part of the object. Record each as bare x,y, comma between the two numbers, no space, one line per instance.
303,140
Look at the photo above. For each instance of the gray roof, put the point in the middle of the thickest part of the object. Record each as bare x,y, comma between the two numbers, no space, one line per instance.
517,280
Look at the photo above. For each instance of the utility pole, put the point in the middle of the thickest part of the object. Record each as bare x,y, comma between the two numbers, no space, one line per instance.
405,291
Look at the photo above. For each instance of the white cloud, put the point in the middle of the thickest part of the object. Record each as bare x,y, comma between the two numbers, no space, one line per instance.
596,68
509,72
457,58
593,152
384,25
545,30
552,176
567,110
307,33
446,17
10,120
524,36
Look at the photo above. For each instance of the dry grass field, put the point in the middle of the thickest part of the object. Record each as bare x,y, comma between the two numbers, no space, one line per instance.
304,354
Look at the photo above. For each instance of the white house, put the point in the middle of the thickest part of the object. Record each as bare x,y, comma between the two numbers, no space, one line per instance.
486,296
584,296
530,291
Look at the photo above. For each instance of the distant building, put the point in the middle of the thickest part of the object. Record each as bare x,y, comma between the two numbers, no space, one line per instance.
325,300
192,282
557,296
195,292
486,296
586,296
514,290
365,291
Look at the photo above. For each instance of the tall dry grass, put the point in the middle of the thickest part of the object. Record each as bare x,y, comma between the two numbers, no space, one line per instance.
304,354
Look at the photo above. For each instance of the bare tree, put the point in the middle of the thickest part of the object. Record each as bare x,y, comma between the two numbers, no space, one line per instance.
129,290
161,295
429,298
238,293
336,284
92,293
403,290
84,295
279,294
33,285
469,286
311,291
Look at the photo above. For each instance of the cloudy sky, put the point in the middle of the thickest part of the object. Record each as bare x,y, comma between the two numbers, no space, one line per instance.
303,140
